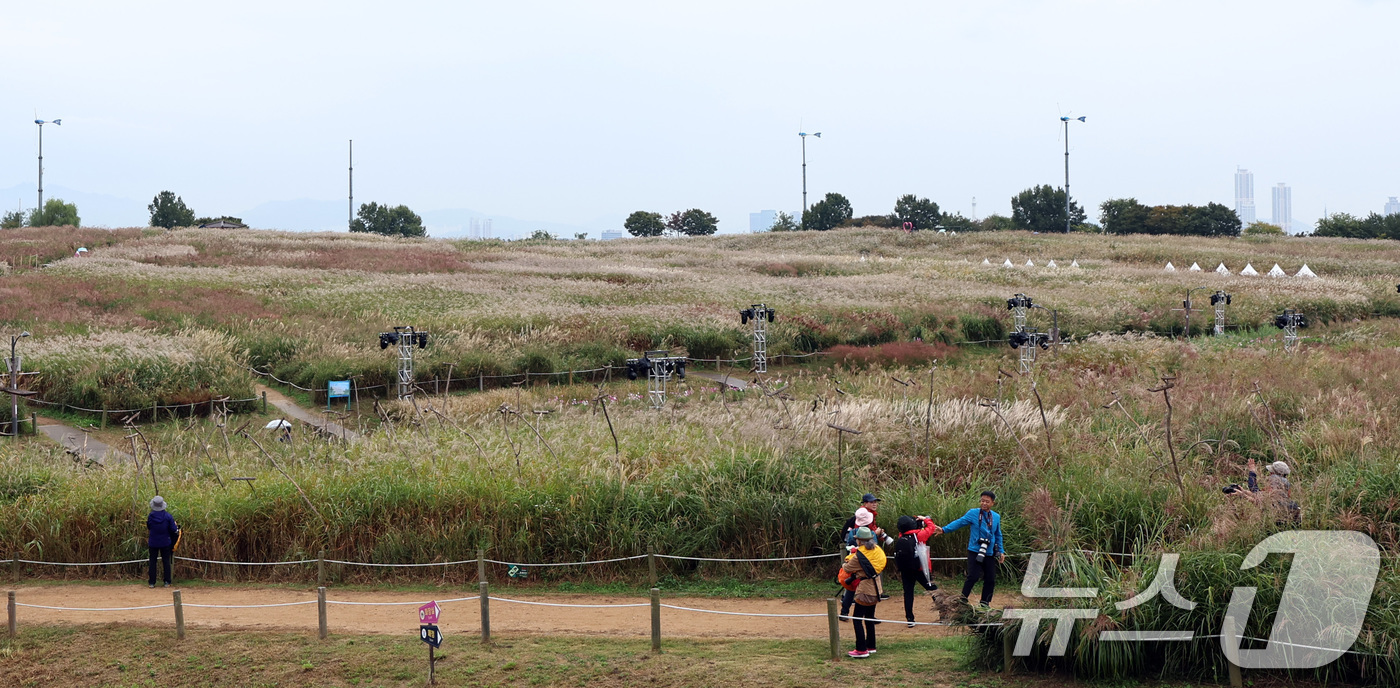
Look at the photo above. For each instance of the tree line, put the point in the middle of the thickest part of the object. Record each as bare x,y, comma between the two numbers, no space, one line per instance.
1373,226
693,222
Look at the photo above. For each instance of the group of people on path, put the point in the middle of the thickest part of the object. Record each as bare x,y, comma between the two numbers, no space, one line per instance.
861,574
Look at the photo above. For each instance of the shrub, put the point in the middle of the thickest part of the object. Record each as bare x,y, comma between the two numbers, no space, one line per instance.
983,328
893,353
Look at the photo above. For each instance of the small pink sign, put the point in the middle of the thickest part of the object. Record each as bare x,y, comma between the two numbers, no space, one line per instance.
428,613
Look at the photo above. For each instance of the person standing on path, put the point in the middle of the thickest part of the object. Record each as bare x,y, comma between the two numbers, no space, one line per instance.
161,540
914,532
865,564
984,546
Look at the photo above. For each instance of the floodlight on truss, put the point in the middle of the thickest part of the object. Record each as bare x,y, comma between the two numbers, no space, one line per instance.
1220,300
405,338
658,366
760,315
1289,321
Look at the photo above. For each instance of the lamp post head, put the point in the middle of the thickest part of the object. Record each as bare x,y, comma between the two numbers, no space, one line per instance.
24,334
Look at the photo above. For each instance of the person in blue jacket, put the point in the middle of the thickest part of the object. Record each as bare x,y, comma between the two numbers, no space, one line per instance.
984,546
161,542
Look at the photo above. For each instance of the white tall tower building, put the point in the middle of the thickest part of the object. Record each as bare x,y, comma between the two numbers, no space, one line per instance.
1283,207
762,220
1392,207
1244,196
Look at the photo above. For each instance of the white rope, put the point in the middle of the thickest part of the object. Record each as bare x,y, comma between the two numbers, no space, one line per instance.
249,563
814,556
70,563
918,623
1280,642
247,606
395,604
567,563
716,611
559,604
92,609
362,563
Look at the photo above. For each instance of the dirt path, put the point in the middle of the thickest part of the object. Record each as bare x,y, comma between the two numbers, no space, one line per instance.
292,410
77,442
460,618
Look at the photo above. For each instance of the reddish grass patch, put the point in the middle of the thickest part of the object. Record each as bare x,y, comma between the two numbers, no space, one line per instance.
324,256
893,353
37,296
21,246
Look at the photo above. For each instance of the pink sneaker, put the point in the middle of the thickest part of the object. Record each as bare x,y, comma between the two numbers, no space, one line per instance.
857,654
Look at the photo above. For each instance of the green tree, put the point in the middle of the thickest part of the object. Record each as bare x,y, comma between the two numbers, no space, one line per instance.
784,222
56,213
210,220
997,223
921,212
1263,229
540,235
644,224
13,219
580,236
955,222
1123,216
169,211
382,219
1212,219
694,222
827,213
1042,209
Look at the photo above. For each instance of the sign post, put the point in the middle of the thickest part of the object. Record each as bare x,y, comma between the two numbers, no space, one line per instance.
338,389
430,634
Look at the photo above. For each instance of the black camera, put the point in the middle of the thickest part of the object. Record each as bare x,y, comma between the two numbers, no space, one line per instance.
1028,338
757,311
1218,298
982,545
1231,488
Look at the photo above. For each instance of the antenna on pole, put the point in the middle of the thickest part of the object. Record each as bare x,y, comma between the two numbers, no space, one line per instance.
351,221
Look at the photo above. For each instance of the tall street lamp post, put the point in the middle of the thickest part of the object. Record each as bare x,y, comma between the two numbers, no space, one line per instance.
41,124
804,135
1067,120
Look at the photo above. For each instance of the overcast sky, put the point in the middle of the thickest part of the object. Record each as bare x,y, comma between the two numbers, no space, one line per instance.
579,112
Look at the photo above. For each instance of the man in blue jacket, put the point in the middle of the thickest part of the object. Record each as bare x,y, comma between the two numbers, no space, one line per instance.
984,548
163,531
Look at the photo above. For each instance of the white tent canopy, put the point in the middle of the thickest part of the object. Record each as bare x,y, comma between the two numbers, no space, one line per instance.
1051,264
1195,267
1277,271
1030,263
1170,267
1305,272
986,261
1249,270
1221,269
1007,264
1074,263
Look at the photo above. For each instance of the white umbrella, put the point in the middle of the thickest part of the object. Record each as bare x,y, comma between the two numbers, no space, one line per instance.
278,424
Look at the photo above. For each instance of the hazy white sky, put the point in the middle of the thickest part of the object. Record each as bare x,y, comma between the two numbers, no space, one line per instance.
573,112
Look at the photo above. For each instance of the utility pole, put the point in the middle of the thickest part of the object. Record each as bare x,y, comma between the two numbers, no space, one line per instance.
41,124
351,221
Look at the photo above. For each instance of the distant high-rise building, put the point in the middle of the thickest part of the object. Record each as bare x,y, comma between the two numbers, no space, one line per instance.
610,234
1283,207
480,228
1392,207
1244,195
762,220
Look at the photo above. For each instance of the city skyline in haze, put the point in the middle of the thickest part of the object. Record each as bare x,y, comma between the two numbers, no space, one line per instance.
564,115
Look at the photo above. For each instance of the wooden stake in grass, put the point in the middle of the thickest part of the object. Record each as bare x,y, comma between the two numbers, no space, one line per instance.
1169,382
603,402
840,448
1049,450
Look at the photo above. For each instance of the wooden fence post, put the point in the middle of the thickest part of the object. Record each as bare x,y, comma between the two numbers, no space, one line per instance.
655,620
179,617
321,612
481,565
264,401
651,567
321,570
14,566
34,423
104,415
1008,645
1229,633
485,613
833,627
11,608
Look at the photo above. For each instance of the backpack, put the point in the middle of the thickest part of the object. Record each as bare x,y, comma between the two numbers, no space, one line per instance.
905,554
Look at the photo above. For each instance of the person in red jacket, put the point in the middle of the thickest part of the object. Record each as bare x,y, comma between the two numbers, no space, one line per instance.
914,532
